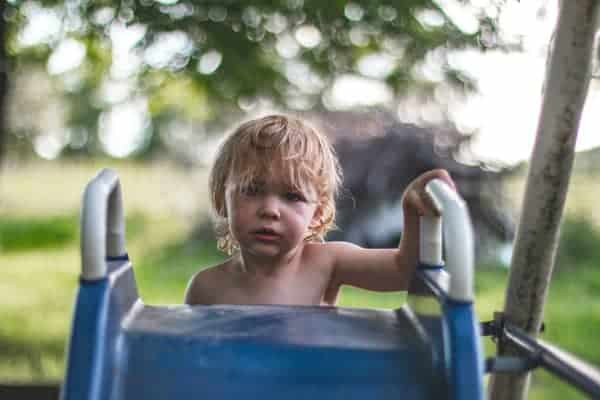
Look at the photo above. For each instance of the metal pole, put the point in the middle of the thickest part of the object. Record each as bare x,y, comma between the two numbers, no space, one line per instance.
567,367
567,79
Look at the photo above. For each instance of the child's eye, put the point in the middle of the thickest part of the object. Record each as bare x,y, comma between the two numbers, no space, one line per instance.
294,196
250,190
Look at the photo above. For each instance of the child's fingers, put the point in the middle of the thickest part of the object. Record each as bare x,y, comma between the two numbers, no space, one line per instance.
430,205
421,203
445,176
440,174
417,200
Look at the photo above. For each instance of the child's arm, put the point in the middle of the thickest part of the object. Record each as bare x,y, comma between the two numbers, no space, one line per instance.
388,269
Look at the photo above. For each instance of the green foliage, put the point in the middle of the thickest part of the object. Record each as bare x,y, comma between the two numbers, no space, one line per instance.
579,243
259,45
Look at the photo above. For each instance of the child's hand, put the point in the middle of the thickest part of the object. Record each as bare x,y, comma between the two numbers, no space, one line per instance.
415,201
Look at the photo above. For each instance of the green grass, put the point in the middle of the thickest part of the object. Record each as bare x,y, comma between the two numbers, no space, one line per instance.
571,317
35,233
164,272
39,271
37,287
23,234
39,251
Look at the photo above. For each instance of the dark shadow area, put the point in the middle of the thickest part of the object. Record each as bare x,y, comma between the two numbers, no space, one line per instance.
21,350
46,391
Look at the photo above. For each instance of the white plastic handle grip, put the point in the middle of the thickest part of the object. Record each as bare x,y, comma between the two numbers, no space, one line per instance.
102,224
457,239
430,241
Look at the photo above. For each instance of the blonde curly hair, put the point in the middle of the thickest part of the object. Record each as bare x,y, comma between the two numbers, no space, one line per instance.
279,144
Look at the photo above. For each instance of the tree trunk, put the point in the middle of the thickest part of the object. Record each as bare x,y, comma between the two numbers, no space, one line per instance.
567,79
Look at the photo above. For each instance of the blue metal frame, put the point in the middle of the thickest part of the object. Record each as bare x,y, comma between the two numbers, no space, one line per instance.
86,353
101,305
463,353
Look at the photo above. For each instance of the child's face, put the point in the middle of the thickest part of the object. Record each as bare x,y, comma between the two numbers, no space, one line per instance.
268,218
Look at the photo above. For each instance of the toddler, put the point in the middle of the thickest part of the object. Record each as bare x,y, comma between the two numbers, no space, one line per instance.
273,187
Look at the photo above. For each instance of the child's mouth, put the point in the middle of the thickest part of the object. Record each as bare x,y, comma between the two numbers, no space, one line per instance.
266,234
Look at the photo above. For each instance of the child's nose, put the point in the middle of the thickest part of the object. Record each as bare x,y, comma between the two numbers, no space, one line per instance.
269,207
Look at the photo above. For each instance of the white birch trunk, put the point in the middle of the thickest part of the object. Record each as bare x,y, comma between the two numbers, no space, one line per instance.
567,79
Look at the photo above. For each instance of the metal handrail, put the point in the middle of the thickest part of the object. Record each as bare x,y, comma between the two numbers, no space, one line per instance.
457,239
562,364
102,224
531,353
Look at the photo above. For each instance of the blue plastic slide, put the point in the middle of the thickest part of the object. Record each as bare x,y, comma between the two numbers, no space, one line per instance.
121,348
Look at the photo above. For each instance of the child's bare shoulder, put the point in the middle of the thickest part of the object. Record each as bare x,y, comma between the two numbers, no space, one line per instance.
327,253
330,249
204,283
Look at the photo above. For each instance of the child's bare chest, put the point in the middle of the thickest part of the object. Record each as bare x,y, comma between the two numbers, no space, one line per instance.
304,288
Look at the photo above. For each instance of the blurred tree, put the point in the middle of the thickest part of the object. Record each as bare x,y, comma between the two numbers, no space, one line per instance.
3,80
199,62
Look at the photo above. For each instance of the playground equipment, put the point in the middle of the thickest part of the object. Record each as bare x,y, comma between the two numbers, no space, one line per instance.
429,348
121,348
